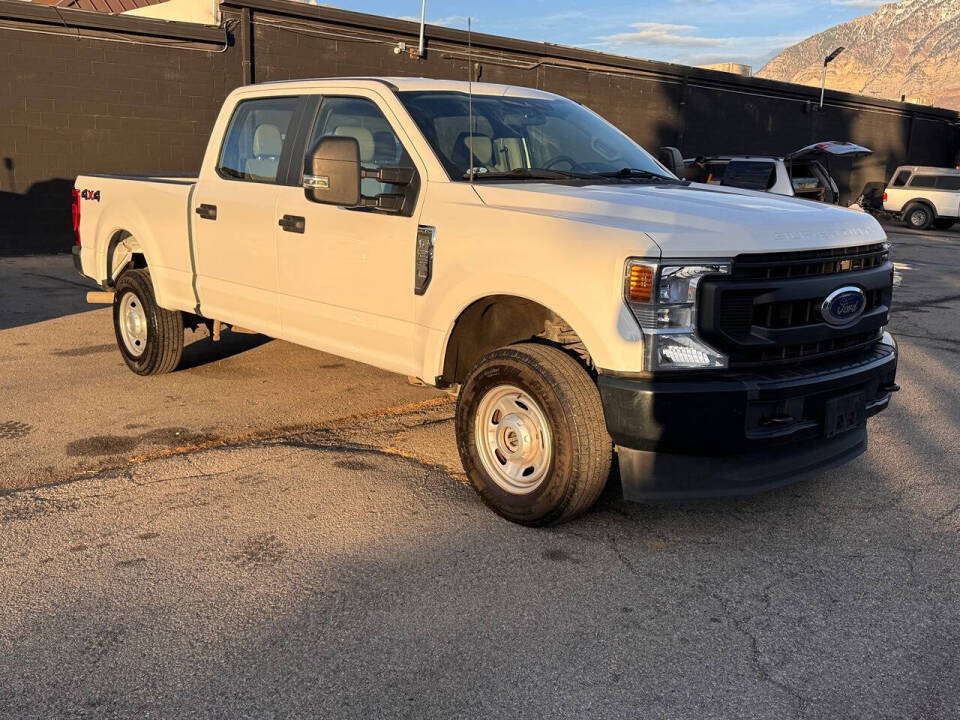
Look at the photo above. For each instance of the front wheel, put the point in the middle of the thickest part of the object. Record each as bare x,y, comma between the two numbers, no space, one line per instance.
532,436
944,224
150,338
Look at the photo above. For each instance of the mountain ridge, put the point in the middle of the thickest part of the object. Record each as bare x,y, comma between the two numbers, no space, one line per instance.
909,48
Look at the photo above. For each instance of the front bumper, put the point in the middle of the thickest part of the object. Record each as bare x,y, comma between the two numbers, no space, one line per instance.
737,433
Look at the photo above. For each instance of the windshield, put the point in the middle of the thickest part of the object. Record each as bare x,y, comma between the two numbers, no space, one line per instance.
525,138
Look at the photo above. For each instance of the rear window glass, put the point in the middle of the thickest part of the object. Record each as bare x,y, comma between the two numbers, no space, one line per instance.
949,182
750,175
926,181
901,179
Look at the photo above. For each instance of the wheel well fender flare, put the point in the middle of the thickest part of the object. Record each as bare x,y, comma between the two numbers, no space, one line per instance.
497,320
920,201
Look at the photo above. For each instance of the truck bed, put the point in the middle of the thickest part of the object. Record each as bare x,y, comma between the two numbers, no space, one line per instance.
146,213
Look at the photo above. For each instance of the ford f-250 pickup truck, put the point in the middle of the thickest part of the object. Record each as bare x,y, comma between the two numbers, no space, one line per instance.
513,244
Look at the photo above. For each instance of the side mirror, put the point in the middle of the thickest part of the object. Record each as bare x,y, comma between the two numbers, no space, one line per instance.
332,172
672,160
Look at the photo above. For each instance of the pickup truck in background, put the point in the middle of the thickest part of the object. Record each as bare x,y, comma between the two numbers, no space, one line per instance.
924,197
512,244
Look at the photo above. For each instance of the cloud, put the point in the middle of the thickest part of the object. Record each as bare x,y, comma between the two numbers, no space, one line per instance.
860,3
753,51
661,35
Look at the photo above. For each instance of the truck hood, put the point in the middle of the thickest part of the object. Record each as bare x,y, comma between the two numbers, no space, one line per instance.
694,220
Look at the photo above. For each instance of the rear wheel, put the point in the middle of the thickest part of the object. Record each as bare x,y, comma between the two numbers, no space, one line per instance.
918,217
150,338
944,224
532,436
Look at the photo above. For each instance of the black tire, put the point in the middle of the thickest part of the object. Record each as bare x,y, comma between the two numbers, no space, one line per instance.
918,216
944,224
163,345
582,451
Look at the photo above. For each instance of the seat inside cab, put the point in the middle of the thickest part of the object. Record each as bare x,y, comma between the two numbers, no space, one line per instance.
267,147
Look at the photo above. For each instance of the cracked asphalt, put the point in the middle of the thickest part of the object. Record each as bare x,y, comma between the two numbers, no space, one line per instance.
262,536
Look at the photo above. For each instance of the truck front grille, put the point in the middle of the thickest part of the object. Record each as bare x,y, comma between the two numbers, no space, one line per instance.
767,311
775,266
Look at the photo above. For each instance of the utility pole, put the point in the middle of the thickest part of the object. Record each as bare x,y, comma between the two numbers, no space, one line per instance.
423,21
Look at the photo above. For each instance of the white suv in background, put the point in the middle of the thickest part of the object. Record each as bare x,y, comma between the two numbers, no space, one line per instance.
802,173
924,196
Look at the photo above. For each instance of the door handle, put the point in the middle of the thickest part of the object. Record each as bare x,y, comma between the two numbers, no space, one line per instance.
293,223
207,212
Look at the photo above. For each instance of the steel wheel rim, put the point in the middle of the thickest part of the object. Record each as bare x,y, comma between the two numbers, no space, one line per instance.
132,321
918,217
513,439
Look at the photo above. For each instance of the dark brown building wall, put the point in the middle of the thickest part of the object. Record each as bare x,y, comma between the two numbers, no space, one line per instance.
129,103
72,105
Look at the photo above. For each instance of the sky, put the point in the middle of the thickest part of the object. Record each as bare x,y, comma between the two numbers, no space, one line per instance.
691,32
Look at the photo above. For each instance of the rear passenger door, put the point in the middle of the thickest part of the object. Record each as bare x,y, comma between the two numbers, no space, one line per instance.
235,217
932,188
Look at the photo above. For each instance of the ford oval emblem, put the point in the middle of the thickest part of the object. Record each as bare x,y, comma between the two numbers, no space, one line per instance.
844,306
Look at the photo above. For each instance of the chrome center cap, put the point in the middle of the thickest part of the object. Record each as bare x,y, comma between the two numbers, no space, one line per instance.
133,322
515,437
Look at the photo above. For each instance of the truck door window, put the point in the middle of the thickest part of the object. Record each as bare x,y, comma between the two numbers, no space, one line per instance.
255,139
750,175
361,119
901,178
924,181
948,182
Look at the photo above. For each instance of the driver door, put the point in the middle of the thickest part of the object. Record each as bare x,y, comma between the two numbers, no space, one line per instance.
346,275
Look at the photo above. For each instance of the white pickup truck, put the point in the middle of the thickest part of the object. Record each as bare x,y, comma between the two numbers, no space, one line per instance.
513,244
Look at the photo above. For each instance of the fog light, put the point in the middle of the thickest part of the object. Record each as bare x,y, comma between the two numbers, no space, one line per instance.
684,351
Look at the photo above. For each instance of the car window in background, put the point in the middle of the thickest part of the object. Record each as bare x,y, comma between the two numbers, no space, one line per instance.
255,139
901,178
714,172
924,181
750,175
948,182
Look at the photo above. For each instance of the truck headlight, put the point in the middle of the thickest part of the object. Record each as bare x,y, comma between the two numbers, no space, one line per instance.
663,298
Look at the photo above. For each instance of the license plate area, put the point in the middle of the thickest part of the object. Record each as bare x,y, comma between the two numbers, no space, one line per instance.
844,413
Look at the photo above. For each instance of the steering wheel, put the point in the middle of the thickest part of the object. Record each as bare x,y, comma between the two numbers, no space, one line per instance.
561,159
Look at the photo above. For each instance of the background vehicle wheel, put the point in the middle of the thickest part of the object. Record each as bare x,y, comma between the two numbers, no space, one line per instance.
532,436
918,217
944,224
150,338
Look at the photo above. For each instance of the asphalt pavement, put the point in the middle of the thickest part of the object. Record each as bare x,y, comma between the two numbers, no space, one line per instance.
274,532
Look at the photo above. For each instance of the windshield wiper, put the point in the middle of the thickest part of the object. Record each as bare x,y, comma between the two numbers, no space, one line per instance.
634,173
529,174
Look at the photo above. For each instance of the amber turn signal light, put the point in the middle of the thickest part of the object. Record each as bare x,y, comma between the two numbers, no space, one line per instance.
640,284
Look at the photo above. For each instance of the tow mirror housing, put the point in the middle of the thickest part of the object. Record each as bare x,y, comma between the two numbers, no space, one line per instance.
332,172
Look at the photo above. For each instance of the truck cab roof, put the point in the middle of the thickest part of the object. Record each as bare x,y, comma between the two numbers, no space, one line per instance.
408,84
927,169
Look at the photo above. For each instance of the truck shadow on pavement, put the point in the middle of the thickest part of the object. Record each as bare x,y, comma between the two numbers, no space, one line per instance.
199,349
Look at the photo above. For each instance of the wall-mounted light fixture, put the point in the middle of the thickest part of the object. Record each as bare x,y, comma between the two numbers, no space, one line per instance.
826,61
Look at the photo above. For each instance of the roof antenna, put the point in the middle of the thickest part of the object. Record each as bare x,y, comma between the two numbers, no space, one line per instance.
470,89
